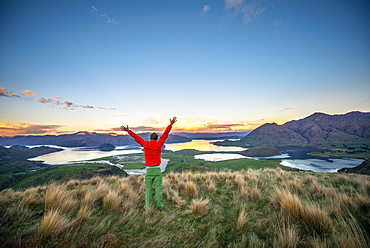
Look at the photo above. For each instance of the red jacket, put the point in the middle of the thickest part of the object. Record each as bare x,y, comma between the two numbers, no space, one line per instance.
152,148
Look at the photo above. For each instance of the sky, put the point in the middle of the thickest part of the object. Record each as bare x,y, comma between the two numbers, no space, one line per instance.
217,65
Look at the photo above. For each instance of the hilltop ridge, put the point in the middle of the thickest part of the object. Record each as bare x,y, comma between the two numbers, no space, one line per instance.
318,128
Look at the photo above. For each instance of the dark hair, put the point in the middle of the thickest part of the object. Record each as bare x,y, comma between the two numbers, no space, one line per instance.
154,136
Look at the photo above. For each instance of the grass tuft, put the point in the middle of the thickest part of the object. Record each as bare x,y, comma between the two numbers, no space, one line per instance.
198,206
53,223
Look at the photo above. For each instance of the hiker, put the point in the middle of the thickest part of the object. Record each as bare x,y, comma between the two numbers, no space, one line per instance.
152,154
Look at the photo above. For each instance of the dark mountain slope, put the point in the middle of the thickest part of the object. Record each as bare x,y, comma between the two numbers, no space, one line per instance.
318,128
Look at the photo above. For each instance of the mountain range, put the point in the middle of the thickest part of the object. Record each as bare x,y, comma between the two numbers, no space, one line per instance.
316,129
82,139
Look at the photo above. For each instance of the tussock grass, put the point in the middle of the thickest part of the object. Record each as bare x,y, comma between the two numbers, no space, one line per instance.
255,193
242,219
198,206
58,198
253,208
53,223
31,197
191,188
211,186
288,202
288,237
111,201
318,219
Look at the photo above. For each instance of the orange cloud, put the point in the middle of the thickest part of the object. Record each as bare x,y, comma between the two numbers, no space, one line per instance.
67,104
3,92
8,128
189,125
28,93
285,109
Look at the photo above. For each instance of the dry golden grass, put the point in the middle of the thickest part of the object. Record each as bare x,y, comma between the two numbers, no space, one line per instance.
84,213
362,201
255,193
318,219
191,188
198,206
53,223
211,186
288,202
179,202
71,184
94,180
308,210
111,201
58,198
346,201
31,197
88,198
349,233
242,219
181,184
287,237
295,185
244,192
101,191
240,182
166,187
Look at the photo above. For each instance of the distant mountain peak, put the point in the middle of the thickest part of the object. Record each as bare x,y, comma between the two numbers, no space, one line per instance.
85,133
318,128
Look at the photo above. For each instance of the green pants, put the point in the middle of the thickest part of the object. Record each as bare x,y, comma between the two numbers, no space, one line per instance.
153,175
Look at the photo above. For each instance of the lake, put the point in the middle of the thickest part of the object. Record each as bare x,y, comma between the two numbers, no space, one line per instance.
295,157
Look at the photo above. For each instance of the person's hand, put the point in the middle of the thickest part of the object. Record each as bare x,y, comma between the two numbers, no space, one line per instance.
174,119
123,128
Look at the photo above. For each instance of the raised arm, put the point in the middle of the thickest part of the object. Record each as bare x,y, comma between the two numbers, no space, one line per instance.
137,138
173,120
164,136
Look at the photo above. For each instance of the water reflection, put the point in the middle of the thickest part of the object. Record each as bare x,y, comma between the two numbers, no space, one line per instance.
319,165
75,154
203,145
215,157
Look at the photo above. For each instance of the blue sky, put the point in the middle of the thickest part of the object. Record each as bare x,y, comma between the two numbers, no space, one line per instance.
68,65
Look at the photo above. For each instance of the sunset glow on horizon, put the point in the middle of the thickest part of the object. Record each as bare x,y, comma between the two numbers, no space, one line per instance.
219,66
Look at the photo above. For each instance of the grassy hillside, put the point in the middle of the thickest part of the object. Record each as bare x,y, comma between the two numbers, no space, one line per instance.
253,208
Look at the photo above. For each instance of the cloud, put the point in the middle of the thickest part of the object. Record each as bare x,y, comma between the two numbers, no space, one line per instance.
188,125
3,92
229,4
206,8
109,19
285,109
55,101
8,128
28,93
249,10
49,100
121,115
